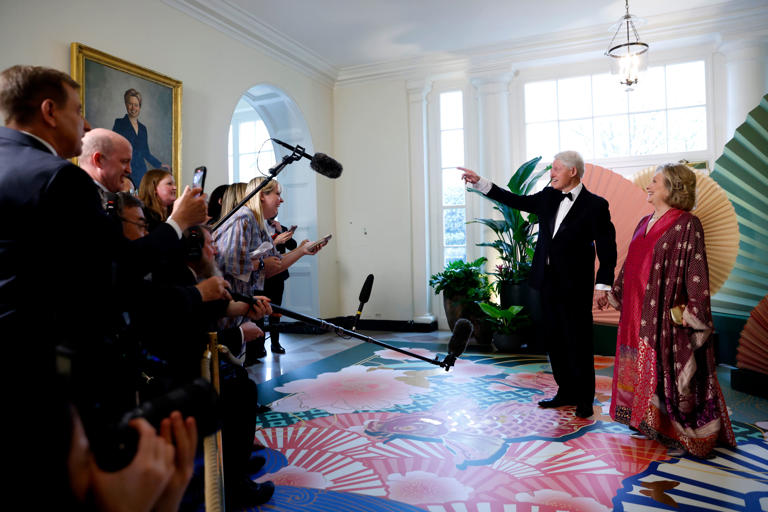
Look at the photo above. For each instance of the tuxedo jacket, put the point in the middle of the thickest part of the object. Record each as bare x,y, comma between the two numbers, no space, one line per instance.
568,256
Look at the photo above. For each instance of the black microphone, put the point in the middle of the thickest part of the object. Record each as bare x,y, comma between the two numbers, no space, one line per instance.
462,330
365,294
319,162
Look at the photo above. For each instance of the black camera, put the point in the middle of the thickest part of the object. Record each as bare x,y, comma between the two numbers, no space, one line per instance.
114,447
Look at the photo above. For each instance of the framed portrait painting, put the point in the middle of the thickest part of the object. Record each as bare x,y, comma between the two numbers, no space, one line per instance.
142,105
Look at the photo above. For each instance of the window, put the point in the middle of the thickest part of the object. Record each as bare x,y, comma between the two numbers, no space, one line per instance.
249,155
454,211
665,113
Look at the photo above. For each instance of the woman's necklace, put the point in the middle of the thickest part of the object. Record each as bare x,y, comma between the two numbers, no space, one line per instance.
656,216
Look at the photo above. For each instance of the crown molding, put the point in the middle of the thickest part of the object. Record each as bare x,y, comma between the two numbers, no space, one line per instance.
734,19
729,20
246,28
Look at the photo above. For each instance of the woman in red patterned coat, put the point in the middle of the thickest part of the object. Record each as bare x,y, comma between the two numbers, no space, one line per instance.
665,380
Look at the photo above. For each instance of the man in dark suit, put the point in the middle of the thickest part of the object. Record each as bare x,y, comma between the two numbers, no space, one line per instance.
573,225
56,281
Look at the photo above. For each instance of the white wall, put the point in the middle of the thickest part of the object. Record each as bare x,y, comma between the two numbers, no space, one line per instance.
214,68
373,204
365,126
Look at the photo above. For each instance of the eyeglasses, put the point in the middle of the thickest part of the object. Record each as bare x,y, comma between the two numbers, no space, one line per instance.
142,225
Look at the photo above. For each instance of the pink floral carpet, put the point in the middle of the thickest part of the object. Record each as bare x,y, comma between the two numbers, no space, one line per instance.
375,430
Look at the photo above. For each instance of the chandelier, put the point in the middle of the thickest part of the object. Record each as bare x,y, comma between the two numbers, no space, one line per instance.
630,56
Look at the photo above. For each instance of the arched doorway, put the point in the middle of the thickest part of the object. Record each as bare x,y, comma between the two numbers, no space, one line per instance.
265,112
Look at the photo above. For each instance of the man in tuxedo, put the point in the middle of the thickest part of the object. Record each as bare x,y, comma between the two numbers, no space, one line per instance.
573,225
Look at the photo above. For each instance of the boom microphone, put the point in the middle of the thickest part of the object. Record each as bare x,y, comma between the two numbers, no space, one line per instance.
319,162
462,330
365,294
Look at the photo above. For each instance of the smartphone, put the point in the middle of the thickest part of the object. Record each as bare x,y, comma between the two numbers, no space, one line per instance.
321,241
293,228
198,179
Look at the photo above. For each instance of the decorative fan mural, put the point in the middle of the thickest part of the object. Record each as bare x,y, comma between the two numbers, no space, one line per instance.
752,353
628,205
717,216
742,171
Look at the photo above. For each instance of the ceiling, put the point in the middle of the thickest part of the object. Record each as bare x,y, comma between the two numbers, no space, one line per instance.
333,36
354,32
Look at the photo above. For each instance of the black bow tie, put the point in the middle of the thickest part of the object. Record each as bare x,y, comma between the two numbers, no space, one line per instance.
568,195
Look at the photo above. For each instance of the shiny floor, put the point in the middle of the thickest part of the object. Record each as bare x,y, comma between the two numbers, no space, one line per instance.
357,427
304,349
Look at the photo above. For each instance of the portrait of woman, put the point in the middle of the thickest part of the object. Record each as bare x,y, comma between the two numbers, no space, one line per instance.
129,127
665,384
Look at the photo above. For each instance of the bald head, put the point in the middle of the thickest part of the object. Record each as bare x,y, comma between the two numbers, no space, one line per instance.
106,157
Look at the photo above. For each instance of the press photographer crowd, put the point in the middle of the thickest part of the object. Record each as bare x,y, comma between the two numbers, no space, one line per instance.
107,300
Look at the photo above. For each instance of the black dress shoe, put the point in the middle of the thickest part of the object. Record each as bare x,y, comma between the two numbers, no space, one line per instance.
584,411
244,493
555,401
277,348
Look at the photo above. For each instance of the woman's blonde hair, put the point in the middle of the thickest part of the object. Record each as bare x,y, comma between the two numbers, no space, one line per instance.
148,192
255,202
680,181
233,195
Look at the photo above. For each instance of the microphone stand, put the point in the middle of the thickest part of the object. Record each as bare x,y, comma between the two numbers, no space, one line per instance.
273,172
446,363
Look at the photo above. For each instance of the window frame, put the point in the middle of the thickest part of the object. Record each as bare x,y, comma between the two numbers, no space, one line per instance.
239,118
625,165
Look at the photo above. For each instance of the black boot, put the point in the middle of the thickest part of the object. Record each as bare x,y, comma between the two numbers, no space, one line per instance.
254,351
274,335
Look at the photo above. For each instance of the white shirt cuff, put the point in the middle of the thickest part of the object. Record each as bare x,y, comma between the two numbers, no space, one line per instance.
175,227
603,287
483,185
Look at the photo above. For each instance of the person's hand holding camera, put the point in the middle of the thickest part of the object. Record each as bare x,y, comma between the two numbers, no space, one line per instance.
183,434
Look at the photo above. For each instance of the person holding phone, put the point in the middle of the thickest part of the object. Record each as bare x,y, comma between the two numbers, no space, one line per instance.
157,191
241,235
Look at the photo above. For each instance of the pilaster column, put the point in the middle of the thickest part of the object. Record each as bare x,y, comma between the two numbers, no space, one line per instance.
746,65
420,259
494,141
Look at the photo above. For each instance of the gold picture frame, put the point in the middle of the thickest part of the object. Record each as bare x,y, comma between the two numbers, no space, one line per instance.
104,81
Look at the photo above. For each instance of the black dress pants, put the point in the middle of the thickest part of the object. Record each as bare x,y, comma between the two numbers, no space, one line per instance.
568,338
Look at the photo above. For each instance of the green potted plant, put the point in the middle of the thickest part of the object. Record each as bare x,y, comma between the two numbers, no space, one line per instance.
515,238
463,284
510,325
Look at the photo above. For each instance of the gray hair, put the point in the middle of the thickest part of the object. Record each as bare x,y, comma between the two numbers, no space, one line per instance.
572,159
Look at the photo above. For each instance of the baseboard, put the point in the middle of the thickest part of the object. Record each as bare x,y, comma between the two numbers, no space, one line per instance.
362,325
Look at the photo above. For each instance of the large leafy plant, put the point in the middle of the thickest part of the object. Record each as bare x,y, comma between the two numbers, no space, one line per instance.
515,232
506,321
461,279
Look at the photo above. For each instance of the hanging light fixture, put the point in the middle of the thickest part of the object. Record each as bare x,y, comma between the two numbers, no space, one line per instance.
628,57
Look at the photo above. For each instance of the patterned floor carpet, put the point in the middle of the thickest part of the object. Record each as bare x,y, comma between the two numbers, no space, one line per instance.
369,429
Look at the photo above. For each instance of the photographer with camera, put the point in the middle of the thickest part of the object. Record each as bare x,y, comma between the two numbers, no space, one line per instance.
156,477
180,344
